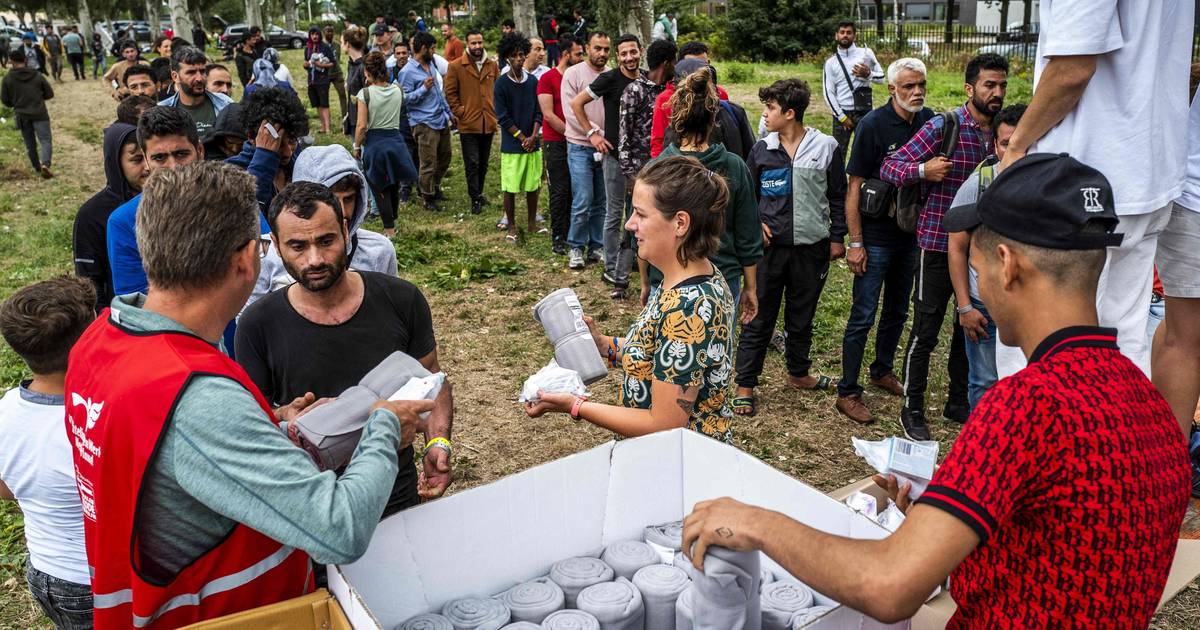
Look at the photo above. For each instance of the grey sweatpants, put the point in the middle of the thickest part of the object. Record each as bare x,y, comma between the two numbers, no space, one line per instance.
38,143
618,255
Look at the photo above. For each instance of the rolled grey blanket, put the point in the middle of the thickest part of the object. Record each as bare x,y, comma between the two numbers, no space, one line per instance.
523,625
476,613
726,595
683,609
616,605
533,600
627,556
808,615
571,620
660,585
575,574
781,600
392,373
429,621
669,535
767,578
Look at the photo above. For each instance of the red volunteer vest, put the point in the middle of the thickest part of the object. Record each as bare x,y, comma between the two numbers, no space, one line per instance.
121,391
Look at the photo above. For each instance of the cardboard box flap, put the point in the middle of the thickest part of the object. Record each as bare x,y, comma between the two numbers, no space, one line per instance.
645,486
1184,569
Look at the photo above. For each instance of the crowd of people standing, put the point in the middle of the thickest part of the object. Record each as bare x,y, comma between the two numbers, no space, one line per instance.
224,233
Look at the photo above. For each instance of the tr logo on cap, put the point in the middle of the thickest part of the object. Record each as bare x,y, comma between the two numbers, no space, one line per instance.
1091,199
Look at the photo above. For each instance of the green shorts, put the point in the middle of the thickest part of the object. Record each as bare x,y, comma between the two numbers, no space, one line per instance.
520,172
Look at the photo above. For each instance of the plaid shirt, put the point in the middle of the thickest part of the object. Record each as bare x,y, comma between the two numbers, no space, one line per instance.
901,169
637,116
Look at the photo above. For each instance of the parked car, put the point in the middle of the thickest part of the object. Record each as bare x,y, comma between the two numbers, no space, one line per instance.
1018,33
919,47
276,37
13,34
1010,49
141,32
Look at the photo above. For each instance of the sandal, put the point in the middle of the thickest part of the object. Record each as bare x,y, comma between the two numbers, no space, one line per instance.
511,238
822,382
746,403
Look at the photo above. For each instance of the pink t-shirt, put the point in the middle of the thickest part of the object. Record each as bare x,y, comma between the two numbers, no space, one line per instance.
575,80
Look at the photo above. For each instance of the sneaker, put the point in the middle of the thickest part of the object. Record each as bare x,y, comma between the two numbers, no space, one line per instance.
595,256
956,412
889,383
852,407
46,174
477,208
559,248
779,341
608,278
431,206
576,259
913,422
617,294
404,195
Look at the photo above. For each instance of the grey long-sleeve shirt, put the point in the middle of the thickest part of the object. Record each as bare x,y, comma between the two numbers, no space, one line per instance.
222,462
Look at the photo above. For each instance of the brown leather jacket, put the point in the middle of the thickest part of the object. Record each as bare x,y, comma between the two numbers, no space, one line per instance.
469,93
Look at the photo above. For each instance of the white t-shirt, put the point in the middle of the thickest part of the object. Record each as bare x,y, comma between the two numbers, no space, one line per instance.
37,465
1190,198
1129,123
283,74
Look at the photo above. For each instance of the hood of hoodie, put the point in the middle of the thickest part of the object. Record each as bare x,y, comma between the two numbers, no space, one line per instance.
228,124
115,137
712,157
328,164
23,74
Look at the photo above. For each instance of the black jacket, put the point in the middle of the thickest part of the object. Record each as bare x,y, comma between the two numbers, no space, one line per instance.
89,238
26,91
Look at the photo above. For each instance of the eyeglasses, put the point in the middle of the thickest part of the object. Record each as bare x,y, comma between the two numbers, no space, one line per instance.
264,245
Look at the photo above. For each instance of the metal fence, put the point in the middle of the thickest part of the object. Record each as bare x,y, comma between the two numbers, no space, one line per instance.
932,43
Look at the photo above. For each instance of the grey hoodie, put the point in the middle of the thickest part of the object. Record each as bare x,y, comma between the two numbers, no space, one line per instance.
369,251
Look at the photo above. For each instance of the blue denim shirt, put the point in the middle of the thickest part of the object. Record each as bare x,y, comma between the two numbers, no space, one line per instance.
425,106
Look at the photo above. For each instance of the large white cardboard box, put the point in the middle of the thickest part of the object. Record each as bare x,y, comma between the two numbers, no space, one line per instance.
484,540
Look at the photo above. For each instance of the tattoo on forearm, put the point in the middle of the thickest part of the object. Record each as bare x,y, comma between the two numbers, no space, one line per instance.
724,532
685,404
687,399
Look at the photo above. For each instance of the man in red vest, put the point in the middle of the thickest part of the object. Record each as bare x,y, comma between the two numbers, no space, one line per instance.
195,502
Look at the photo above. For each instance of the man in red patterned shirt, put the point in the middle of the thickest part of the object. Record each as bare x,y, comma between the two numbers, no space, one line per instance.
1061,501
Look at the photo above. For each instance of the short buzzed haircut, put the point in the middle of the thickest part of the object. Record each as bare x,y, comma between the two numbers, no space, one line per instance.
303,199
1073,269
43,320
692,48
191,220
166,121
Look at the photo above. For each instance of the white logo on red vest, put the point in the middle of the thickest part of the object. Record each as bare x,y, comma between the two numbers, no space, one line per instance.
88,450
93,409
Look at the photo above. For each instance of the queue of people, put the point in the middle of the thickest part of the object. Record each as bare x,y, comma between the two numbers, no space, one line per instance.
221,235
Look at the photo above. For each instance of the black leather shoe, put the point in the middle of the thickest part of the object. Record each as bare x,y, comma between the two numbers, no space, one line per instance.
913,421
956,412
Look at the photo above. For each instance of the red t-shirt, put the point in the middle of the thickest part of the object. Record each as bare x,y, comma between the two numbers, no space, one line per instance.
662,116
551,83
1074,474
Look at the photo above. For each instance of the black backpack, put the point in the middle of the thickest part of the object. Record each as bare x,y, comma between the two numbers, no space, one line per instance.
731,130
911,199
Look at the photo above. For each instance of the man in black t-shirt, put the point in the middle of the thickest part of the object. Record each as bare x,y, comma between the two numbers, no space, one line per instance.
323,333
882,257
609,87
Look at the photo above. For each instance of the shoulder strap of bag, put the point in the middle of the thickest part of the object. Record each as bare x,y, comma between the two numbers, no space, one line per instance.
950,130
849,82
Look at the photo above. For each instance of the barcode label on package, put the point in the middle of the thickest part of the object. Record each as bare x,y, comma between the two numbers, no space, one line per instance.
911,458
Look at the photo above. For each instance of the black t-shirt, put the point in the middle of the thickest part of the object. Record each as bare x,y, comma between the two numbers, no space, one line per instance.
880,133
609,86
287,355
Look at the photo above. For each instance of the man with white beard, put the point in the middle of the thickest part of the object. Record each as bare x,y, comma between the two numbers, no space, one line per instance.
882,257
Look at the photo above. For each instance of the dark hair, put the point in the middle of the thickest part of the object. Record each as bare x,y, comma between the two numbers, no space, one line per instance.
282,107
593,35
506,22
177,42
422,40
1010,115
790,94
130,109
659,52
166,121
254,30
691,48
159,40
472,31
214,66
348,183
301,199
400,42
162,69
566,42
375,65
626,38
1077,269
17,55
137,69
188,55
694,106
412,13
128,43
847,24
512,44
986,61
682,184
355,38
43,320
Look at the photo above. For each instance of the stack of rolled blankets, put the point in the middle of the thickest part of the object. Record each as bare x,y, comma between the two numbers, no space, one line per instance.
639,585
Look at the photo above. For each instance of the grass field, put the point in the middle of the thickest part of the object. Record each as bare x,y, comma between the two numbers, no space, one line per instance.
481,290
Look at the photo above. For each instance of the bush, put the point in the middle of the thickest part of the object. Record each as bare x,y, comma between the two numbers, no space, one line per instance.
782,30
737,73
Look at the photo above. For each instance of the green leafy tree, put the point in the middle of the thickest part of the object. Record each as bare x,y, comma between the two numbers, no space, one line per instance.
782,30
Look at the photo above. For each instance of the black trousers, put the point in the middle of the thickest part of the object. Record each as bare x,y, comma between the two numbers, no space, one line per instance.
77,66
476,150
554,155
795,274
931,292
411,143
387,200
841,134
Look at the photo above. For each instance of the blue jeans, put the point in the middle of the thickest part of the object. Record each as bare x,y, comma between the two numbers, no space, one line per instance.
981,360
890,271
587,198
67,604
1157,312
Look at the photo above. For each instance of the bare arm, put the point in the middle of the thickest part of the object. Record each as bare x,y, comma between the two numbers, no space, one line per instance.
5,493
360,129
1058,92
441,419
546,103
670,407
960,245
583,98
853,219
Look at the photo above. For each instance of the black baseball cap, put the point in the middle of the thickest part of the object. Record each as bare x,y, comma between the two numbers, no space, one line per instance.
1047,200
381,29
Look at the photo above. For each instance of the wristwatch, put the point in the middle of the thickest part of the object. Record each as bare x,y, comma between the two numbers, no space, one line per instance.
963,310
592,131
855,245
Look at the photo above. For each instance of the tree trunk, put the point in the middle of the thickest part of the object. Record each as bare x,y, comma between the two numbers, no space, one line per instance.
152,18
253,14
181,22
879,17
1003,15
949,36
638,19
85,22
289,15
525,15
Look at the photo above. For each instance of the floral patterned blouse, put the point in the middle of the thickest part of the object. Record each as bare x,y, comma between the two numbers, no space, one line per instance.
684,337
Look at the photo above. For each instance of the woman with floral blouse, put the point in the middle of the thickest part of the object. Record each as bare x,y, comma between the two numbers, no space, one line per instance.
675,359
